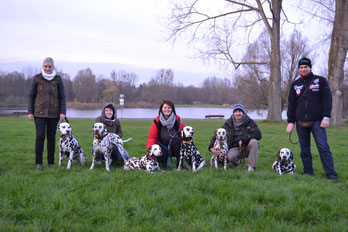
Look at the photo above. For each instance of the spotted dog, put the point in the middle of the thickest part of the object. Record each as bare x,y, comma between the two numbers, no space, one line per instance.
69,146
189,151
148,162
104,143
221,145
283,164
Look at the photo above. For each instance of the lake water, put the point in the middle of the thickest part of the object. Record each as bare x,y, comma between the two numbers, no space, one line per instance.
146,113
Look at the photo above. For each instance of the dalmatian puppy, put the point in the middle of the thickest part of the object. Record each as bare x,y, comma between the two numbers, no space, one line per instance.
148,162
221,145
189,151
104,143
283,164
69,146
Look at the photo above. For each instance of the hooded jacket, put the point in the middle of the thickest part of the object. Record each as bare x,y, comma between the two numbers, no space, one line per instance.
113,125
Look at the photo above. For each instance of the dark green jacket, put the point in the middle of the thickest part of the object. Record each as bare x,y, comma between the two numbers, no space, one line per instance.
47,98
249,131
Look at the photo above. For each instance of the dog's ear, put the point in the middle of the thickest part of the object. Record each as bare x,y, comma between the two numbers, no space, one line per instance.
148,151
278,155
182,134
291,155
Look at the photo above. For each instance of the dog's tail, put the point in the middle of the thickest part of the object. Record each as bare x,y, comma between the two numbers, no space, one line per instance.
126,140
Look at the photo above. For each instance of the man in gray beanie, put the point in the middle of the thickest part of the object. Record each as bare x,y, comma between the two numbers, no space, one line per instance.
242,138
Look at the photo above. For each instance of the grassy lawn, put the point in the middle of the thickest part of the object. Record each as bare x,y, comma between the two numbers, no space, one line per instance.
56,199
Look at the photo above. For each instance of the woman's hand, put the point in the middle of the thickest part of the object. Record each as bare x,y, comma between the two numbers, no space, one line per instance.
61,116
215,151
31,116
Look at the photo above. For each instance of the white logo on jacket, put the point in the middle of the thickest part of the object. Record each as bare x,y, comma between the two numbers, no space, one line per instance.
298,89
315,85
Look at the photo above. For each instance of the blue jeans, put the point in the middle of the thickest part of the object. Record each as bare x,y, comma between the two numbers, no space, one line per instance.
320,139
115,155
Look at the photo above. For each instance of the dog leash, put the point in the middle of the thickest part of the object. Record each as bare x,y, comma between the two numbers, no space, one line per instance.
168,148
66,119
290,138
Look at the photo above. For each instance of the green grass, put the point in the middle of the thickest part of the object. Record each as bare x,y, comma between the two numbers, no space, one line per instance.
56,199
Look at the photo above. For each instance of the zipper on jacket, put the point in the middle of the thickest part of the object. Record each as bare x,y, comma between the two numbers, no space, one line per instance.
306,105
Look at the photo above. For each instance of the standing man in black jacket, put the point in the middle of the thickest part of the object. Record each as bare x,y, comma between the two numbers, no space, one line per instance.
242,138
309,105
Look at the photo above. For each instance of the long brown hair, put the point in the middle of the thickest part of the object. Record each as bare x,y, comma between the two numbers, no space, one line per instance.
169,103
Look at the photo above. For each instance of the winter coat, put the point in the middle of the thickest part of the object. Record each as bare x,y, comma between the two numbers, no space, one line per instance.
47,98
315,104
156,128
249,131
113,125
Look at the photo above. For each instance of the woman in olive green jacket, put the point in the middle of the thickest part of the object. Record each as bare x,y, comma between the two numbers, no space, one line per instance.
46,106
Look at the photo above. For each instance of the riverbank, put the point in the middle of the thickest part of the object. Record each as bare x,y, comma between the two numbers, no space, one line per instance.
89,106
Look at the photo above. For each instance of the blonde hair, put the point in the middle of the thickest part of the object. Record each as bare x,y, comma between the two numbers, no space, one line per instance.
48,59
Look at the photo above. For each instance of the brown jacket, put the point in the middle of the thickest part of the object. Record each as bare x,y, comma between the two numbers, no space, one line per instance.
47,98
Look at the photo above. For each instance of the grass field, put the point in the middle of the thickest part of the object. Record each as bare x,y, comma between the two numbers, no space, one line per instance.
56,199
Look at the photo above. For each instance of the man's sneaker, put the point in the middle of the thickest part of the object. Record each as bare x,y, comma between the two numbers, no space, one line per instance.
51,165
250,169
38,165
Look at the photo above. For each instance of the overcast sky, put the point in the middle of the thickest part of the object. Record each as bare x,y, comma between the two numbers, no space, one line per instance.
111,31
119,31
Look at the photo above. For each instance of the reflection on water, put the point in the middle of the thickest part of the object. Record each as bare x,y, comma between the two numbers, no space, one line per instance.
146,113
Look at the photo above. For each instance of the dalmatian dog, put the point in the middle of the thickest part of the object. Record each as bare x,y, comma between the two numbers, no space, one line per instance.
283,164
189,151
221,145
104,143
148,162
69,147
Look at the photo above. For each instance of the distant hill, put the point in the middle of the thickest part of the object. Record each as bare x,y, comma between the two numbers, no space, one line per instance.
104,69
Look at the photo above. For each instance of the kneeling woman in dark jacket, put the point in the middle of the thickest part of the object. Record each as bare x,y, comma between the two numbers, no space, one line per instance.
109,118
165,131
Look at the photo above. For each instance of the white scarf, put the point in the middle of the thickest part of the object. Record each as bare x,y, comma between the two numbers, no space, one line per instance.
169,123
48,77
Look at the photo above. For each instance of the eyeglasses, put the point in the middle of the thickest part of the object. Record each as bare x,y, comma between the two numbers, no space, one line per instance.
48,66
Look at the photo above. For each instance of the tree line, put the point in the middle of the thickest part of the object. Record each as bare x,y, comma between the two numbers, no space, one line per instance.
85,87
248,85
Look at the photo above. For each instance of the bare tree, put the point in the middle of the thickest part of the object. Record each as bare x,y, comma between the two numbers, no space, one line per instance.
68,85
125,83
217,91
252,82
337,58
84,86
292,51
335,14
164,77
219,27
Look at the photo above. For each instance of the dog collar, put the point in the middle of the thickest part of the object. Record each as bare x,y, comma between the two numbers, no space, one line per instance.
151,157
190,141
101,137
